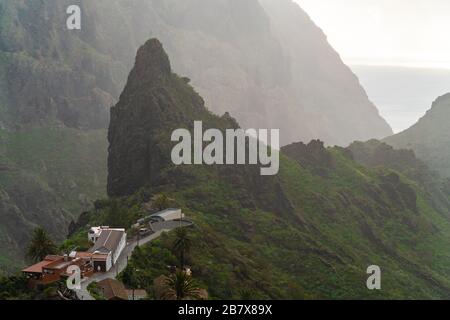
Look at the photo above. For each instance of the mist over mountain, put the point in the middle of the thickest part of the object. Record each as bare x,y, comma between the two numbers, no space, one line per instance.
56,87
263,61
429,138
326,97
402,94
55,94
50,75
309,232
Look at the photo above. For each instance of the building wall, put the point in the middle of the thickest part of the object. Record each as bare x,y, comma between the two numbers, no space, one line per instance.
120,247
171,215
108,262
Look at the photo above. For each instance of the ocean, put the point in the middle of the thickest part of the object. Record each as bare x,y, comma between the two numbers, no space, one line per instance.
402,94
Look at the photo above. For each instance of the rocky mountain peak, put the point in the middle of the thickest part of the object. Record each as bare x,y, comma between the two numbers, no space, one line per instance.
155,102
152,65
152,61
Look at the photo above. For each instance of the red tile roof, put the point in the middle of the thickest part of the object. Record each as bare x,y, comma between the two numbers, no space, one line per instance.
85,255
37,268
113,289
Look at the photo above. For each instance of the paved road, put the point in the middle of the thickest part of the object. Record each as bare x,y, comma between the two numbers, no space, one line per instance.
122,261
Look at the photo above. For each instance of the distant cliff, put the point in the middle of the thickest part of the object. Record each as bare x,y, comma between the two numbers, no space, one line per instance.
263,61
56,88
429,138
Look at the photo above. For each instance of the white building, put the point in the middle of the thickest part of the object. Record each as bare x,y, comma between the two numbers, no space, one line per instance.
168,215
109,244
94,232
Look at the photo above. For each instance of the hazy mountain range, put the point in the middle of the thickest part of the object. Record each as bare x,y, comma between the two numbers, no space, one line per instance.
309,232
267,64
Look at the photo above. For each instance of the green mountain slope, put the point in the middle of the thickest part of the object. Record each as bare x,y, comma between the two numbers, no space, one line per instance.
309,232
55,91
59,84
429,138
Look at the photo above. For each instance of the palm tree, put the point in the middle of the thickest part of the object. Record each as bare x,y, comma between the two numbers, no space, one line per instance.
181,286
182,244
40,245
247,294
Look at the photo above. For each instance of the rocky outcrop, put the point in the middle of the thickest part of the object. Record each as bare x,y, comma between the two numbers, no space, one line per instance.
312,154
155,102
378,154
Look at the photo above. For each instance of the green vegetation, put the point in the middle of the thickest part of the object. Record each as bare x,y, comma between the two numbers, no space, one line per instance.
338,226
309,232
146,264
161,202
48,177
78,242
181,286
15,288
182,244
95,291
53,119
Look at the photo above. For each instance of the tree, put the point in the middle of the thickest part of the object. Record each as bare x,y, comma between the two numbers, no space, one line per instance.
181,286
182,244
161,202
116,215
40,245
247,294
131,279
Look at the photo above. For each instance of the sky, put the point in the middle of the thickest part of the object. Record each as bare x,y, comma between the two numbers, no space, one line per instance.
412,33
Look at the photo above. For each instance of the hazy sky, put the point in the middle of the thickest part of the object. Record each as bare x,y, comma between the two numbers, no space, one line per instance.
390,32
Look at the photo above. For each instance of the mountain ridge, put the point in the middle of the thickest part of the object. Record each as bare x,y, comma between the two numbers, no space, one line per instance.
309,232
56,87
429,137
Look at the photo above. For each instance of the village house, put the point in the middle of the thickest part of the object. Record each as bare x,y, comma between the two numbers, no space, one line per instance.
113,289
54,267
108,248
35,273
94,232
109,244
